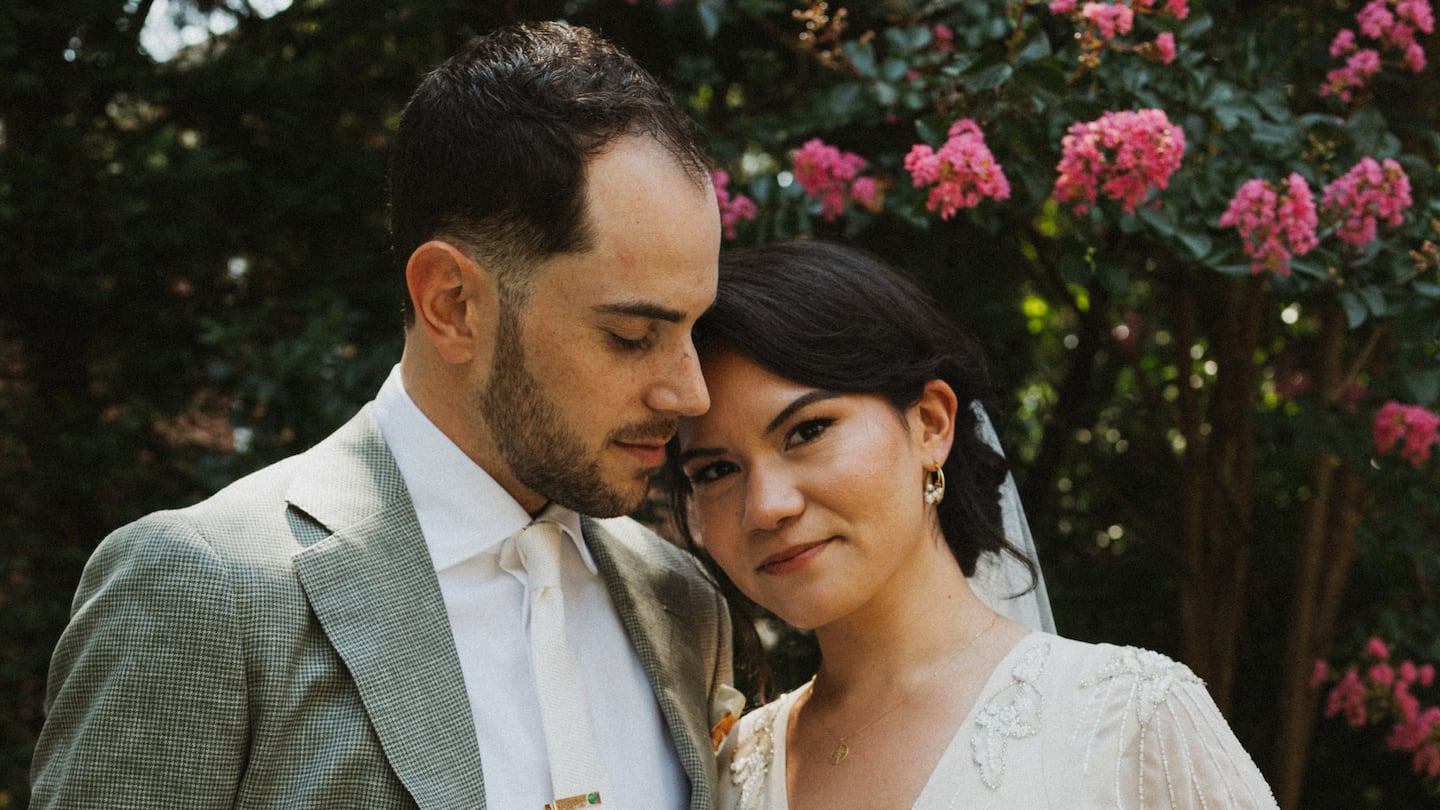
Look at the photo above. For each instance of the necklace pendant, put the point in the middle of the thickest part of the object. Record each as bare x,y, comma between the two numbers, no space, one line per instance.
838,755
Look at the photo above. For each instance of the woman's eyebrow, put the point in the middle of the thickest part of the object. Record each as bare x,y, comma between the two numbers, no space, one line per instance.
801,401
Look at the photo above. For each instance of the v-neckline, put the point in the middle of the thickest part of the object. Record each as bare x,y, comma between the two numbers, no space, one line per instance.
779,794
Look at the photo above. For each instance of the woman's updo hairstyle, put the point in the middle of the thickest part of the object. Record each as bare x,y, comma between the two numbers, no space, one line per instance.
837,318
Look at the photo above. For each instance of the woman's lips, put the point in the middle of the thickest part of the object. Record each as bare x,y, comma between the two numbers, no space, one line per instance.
792,558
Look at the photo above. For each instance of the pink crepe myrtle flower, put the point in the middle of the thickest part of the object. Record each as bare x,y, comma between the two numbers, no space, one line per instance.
1393,25
1165,47
1347,698
1180,9
962,171
1376,648
1343,43
827,173
1122,155
1383,697
733,208
944,37
1062,7
1109,20
1370,192
1375,19
1417,13
1276,223
1418,428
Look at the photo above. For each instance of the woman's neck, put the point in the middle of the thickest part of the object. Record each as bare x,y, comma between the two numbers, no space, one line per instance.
898,638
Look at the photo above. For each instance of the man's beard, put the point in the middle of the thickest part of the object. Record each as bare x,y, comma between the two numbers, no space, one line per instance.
541,451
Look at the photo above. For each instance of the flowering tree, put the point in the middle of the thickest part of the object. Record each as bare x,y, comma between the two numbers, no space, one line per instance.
1219,225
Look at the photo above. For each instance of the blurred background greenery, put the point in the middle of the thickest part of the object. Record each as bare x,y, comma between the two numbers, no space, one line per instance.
194,282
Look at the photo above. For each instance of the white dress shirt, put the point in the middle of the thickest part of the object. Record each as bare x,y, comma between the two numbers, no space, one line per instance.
465,517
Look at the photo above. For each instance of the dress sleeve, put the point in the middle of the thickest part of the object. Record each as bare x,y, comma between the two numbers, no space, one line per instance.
1153,738
146,696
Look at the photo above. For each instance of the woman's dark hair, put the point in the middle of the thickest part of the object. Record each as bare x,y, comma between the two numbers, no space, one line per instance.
837,318
492,147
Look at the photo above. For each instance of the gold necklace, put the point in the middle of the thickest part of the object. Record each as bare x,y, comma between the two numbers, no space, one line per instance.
842,748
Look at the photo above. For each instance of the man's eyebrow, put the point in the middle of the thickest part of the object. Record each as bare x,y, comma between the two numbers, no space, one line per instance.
641,309
800,402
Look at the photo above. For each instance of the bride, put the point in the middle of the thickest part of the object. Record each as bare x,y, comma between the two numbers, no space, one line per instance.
846,478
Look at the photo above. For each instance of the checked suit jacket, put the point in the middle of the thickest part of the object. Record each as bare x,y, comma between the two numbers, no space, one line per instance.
284,644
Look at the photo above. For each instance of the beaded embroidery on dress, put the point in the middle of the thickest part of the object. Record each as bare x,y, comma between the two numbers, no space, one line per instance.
1014,712
754,753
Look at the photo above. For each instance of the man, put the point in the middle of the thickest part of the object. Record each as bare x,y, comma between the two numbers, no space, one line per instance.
348,628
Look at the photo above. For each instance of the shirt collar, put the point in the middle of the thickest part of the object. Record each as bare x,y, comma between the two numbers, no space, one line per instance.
462,510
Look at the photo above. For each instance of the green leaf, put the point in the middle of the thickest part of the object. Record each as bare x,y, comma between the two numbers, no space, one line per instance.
1197,242
1374,300
988,79
1355,312
894,69
1036,49
1367,129
1424,385
709,11
862,58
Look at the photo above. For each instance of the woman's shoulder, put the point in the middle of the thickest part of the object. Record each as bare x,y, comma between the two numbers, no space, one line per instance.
1090,665
1148,721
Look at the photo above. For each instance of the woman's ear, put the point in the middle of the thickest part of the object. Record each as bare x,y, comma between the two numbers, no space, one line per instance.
449,291
935,414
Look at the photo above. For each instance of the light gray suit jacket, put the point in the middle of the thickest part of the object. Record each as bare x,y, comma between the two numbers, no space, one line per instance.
284,644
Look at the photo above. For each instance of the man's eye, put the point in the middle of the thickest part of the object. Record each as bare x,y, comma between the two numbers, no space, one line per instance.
631,344
710,473
807,431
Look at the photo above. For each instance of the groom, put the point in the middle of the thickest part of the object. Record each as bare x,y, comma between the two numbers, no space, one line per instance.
348,628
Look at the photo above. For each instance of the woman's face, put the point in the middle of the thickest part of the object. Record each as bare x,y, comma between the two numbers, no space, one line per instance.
810,500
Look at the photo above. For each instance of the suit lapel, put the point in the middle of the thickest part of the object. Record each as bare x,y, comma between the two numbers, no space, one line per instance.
373,588
651,600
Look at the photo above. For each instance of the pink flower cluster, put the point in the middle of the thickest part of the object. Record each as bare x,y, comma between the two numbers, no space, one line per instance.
1103,22
1393,24
733,208
1122,155
1276,223
1373,690
1417,427
832,176
1369,192
963,171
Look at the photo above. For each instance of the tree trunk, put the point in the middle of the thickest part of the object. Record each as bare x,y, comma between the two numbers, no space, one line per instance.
1325,557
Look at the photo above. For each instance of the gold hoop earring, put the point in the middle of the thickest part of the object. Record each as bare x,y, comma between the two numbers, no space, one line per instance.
935,486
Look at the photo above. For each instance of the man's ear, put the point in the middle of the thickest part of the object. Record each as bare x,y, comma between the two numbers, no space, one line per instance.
935,414
449,290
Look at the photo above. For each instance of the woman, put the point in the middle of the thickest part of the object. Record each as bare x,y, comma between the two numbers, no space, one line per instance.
841,481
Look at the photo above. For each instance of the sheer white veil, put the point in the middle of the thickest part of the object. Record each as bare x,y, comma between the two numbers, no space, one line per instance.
999,577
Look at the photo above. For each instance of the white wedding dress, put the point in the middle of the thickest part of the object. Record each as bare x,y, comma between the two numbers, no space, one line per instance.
1059,724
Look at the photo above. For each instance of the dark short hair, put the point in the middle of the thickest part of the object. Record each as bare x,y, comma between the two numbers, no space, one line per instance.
837,318
492,147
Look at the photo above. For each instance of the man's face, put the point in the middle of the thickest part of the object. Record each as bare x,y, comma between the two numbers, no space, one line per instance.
591,373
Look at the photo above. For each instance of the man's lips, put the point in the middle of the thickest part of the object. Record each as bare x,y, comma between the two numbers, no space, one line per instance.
792,558
648,454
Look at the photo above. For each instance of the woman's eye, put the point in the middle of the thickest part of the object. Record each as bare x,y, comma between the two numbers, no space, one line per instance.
807,431
710,473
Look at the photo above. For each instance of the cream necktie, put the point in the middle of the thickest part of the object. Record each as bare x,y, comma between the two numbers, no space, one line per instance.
577,774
